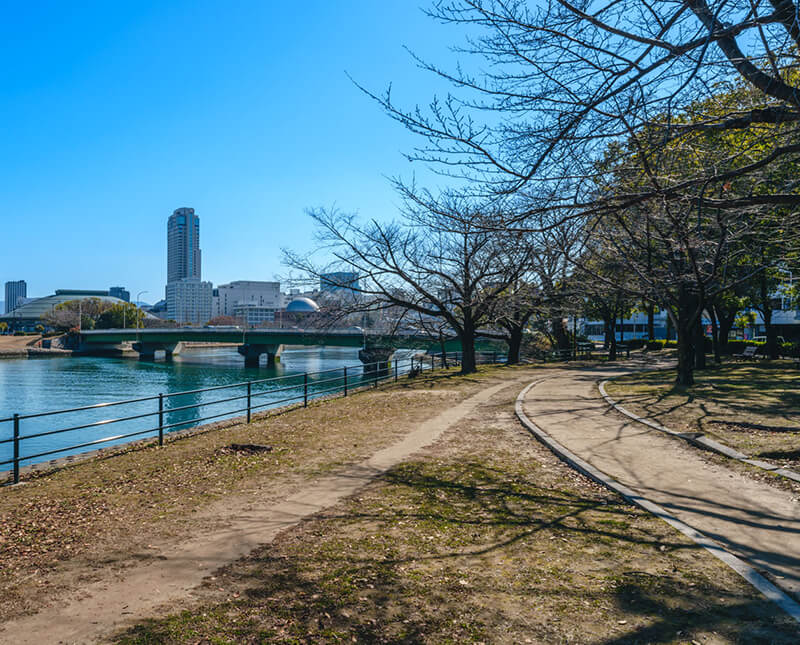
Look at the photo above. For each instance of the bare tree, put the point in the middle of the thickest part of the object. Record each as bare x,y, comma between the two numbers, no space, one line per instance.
434,263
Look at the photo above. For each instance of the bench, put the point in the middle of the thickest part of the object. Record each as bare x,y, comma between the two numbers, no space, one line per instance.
749,352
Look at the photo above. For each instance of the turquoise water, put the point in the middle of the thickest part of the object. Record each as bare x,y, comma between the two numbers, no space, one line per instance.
29,386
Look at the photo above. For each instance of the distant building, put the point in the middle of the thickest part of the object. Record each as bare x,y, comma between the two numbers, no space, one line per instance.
28,315
14,291
246,293
253,315
189,301
120,292
183,245
338,281
188,297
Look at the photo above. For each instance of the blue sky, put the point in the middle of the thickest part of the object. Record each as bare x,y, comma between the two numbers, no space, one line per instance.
114,114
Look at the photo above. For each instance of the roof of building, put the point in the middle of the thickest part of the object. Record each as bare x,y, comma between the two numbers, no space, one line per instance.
38,307
302,305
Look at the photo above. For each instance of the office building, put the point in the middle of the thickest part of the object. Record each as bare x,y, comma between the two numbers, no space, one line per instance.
183,245
246,293
253,315
14,291
188,297
338,281
120,292
189,301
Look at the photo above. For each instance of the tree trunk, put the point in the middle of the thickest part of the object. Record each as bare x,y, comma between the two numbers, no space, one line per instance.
725,320
467,337
514,346
766,314
606,333
715,335
685,327
699,342
559,333
651,321
612,348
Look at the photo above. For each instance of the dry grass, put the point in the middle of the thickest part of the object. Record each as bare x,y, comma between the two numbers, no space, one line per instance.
64,528
752,407
486,539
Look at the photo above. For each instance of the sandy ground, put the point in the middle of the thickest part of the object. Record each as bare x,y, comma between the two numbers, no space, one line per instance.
752,519
8,343
106,606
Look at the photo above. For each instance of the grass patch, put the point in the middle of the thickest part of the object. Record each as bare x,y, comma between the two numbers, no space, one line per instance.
752,407
487,538
76,524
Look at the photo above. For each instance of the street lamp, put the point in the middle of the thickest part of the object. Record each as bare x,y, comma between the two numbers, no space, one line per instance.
138,321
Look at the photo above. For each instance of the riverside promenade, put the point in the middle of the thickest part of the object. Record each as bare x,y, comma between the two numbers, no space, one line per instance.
753,520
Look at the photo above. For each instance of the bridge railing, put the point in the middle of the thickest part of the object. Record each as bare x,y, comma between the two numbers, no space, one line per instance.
30,437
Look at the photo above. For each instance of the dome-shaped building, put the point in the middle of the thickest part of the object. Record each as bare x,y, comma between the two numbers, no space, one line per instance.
302,305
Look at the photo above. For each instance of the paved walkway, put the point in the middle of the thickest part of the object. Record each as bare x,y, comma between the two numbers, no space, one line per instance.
755,521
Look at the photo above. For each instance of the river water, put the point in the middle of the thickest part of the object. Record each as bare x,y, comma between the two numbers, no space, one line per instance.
30,386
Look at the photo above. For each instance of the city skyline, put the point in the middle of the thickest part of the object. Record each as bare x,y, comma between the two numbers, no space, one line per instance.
251,128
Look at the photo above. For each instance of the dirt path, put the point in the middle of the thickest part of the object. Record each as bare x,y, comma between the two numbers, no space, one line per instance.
103,608
753,520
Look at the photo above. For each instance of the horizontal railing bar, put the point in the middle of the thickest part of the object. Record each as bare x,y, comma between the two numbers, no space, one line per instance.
194,422
203,404
86,445
87,407
94,424
291,398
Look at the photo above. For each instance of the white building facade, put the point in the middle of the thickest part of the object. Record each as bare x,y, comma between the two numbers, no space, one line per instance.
16,292
189,301
246,293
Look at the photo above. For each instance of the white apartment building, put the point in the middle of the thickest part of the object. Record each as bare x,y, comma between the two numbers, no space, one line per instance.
189,301
246,293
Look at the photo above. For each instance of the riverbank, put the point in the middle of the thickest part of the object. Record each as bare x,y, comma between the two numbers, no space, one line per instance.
483,536
27,347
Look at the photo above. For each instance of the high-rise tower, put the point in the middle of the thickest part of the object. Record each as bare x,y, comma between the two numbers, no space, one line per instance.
14,291
183,245
188,298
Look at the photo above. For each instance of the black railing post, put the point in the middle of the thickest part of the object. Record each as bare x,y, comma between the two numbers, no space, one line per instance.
375,382
345,381
494,357
305,390
16,448
160,419
395,371
432,365
249,394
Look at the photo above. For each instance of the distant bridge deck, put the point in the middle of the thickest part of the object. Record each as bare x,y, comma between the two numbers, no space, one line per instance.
334,337
252,343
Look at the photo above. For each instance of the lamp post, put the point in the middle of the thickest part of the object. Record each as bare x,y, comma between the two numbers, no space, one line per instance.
138,321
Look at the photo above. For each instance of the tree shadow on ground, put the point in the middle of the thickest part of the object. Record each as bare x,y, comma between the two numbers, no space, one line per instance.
461,551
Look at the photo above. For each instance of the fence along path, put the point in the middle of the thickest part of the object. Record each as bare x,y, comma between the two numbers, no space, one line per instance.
155,416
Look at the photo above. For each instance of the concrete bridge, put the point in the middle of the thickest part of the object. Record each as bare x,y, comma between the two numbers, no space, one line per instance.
252,343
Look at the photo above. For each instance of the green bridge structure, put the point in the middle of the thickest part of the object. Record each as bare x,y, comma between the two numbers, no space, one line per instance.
376,348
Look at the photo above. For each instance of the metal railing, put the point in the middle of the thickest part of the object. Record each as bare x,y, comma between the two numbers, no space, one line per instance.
248,397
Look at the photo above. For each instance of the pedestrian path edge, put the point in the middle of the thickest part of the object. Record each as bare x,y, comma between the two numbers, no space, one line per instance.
698,439
764,586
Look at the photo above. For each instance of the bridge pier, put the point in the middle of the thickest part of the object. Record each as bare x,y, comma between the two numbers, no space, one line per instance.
147,351
376,359
252,353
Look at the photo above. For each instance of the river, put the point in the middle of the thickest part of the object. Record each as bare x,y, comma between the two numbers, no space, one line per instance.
29,386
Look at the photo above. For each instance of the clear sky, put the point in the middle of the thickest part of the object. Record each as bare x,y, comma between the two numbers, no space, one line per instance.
115,113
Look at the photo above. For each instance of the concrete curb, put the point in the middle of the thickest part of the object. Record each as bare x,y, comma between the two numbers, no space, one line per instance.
699,440
764,586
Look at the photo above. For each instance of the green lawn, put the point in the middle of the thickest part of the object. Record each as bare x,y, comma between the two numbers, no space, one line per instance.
753,407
